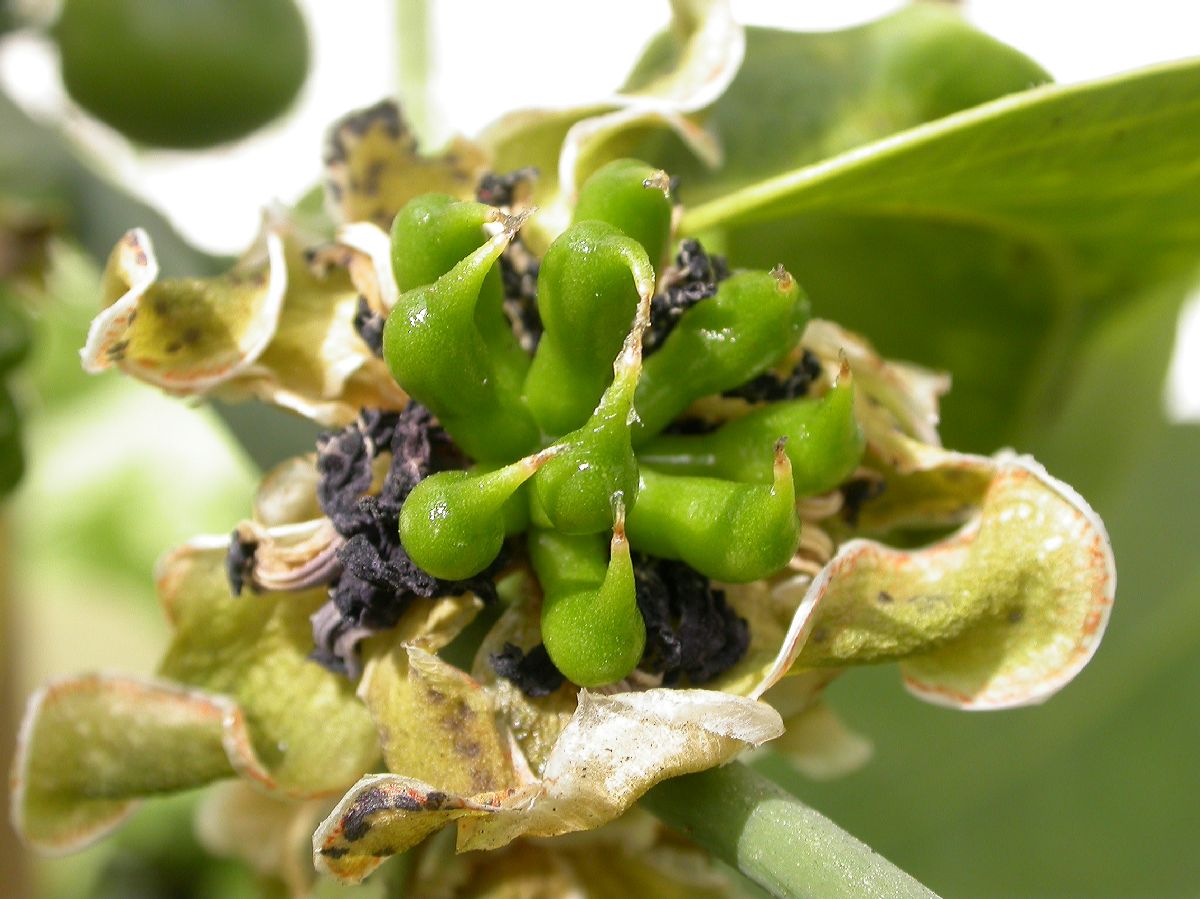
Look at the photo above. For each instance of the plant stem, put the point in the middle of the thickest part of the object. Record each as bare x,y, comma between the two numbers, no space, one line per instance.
775,839
413,39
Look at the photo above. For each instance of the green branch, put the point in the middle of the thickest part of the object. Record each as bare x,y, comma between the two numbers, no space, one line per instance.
774,839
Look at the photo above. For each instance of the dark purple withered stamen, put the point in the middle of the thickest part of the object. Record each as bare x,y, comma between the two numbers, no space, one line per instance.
694,277
532,672
239,562
378,579
369,326
770,387
691,632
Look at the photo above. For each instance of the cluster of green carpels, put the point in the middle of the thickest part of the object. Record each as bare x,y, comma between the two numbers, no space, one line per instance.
569,443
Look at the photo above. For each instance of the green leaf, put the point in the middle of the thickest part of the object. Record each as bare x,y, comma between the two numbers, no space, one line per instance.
799,97
990,242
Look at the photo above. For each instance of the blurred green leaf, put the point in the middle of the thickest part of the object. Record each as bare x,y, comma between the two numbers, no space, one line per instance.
990,242
41,176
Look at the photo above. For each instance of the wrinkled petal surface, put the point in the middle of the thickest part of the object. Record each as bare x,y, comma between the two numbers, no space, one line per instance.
612,751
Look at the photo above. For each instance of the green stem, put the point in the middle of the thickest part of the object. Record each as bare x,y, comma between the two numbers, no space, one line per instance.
774,839
413,39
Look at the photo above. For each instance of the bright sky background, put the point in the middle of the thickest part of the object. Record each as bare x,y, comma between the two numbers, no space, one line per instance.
493,56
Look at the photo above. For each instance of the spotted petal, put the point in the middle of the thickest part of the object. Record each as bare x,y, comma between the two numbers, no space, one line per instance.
373,167
274,327
613,750
1002,613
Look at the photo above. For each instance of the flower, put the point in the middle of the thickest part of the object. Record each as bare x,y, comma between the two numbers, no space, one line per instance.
313,659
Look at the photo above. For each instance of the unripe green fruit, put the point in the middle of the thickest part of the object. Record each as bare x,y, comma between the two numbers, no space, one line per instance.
183,73
592,628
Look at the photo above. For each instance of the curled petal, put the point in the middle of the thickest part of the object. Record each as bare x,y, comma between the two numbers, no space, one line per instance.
273,327
90,747
1002,613
184,335
535,721
684,70
436,724
370,264
292,556
612,751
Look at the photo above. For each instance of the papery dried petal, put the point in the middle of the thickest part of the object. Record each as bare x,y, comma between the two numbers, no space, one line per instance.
612,751
185,335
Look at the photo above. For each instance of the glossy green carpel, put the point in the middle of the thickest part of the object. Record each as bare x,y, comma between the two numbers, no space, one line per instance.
596,471
633,197
824,443
453,523
755,319
431,235
591,625
589,286
438,355
726,530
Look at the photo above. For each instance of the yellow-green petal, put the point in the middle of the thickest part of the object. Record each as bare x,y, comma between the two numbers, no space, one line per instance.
185,335
373,166
1002,613
90,747
309,729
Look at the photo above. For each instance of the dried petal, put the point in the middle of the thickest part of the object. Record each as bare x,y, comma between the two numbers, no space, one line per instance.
373,166
534,721
184,335
1002,613
686,69
612,751
893,399
90,747
436,724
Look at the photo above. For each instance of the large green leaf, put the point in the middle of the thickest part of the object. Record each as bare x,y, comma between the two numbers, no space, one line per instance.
990,242
801,97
